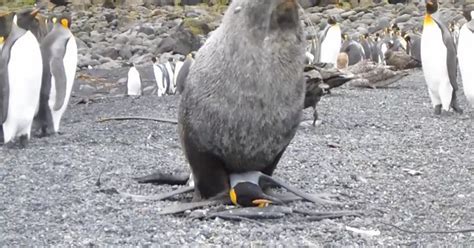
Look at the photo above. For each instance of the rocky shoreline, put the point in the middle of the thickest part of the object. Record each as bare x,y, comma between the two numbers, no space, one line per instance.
110,38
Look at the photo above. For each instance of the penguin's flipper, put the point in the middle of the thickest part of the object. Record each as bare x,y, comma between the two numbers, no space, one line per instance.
470,26
306,196
451,58
183,74
4,93
60,81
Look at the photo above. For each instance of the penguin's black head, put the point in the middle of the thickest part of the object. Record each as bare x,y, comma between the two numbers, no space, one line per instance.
331,20
26,19
5,26
65,21
395,27
431,6
344,36
247,194
407,38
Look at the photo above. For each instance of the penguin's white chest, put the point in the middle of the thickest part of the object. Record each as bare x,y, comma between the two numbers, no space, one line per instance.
134,83
466,61
434,57
160,83
25,68
172,85
331,45
177,68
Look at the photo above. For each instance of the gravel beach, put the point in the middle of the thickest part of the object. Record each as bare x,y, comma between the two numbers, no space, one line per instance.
382,151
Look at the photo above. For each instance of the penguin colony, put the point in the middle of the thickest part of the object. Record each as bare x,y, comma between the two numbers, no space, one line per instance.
49,54
367,46
437,49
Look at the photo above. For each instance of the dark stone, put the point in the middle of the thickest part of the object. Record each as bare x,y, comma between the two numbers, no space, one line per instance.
110,52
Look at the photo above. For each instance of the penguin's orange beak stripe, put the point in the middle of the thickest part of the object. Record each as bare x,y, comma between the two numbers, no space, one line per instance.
34,12
261,203
65,23
233,196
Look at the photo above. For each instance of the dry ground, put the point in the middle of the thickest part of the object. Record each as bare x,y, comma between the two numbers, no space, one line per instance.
361,150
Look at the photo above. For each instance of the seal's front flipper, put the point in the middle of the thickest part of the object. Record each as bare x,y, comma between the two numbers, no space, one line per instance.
160,178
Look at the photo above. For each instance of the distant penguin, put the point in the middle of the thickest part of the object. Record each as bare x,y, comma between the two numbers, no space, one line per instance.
183,73
171,89
34,23
177,68
59,52
454,29
162,77
466,55
309,58
134,84
363,40
438,57
21,68
354,50
413,45
5,28
330,42
375,52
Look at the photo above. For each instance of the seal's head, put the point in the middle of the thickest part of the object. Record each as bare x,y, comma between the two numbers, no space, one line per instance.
263,15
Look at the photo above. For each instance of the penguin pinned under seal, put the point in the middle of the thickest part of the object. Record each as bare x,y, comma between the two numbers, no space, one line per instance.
219,109
21,68
438,58
134,84
466,53
59,52
330,42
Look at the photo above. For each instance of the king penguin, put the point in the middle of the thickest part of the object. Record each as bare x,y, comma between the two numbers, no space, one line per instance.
183,73
134,84
330,42
59,52
466,54
438,58
20,82
161,77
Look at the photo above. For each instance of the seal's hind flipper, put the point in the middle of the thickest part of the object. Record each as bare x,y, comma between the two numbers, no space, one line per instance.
253,213
160,178
159,197
182,207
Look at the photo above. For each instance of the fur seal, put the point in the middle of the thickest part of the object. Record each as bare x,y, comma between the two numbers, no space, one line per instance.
243,116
